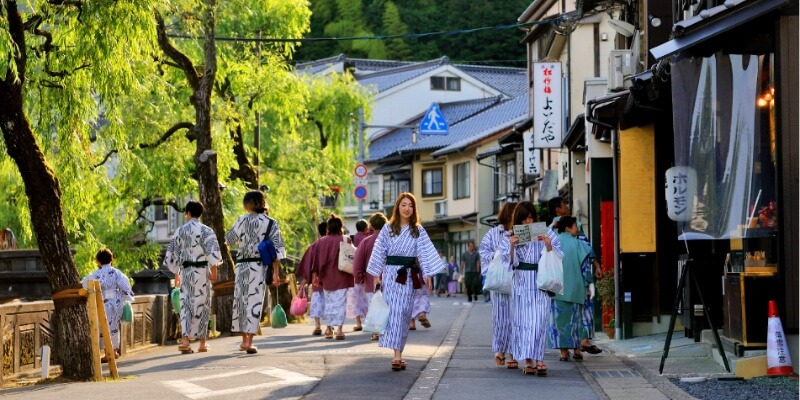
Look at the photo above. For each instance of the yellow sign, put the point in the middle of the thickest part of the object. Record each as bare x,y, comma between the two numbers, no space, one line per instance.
637,190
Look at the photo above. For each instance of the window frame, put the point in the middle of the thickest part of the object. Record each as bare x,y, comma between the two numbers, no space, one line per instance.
432,193
455,79
461,190
443,80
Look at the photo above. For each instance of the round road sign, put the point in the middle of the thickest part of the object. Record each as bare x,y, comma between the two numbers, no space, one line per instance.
360,192
361,170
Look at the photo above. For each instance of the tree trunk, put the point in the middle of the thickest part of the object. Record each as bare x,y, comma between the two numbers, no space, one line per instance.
71,320
246,171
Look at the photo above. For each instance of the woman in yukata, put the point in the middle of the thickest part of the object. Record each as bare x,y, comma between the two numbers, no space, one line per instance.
335,284
248,295
116,290
501,302
530,307
401,249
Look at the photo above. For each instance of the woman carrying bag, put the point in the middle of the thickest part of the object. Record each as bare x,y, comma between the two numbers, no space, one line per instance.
335,283
501,302
530,306
566,309
402,248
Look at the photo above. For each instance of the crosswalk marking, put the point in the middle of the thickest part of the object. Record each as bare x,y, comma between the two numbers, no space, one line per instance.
188,388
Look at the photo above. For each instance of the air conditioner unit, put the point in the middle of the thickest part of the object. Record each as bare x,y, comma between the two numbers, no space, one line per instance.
440,208
621,65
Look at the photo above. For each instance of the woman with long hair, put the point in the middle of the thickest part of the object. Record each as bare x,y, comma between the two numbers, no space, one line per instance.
501,302
566,309
401,249
335,284
530,306
248,294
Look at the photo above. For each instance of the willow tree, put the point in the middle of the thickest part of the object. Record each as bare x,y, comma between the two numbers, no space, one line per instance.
59,70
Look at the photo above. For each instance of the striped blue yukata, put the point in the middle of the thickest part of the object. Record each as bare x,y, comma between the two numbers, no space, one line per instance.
501,302
399,297
530,307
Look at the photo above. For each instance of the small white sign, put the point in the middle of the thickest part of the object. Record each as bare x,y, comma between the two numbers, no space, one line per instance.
531,162
547,105
679,190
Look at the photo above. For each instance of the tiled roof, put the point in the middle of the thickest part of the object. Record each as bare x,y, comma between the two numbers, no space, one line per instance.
400,140
317,66
511,81
364,64
483,125
390,78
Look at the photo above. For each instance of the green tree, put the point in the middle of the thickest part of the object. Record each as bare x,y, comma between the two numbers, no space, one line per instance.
397,49
60,68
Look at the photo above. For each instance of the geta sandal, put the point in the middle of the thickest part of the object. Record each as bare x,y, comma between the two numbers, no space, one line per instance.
316,332
512,364
529,370
252,350
499,361
541,370
340,337
424,321
185,349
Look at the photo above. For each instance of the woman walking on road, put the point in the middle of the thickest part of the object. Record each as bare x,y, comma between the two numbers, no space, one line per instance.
335,283
303,270
566,309
248,294
363,254
501,302
530,306
402,247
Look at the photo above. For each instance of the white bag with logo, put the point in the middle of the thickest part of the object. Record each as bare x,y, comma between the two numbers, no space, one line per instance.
347,252
551,272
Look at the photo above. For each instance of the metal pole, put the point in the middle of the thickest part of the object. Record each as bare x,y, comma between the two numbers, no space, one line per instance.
361,128
257,133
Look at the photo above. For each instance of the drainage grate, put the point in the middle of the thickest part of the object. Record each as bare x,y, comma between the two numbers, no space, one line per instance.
617,373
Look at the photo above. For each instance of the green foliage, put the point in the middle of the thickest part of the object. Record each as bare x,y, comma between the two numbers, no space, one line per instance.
417,16
102,124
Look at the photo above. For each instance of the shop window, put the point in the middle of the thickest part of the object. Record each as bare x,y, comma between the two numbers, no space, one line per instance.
432,182
461,180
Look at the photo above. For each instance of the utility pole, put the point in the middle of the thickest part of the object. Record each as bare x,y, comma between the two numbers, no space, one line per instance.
257,133
361,128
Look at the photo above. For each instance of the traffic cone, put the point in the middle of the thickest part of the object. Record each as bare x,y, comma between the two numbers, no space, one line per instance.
779,362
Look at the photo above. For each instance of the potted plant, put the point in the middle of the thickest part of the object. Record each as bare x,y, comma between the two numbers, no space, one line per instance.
610,328
605,289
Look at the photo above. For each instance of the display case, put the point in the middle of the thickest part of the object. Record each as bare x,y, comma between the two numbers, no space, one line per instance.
745,301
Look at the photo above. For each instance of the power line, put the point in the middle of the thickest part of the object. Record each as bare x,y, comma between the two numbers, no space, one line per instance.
554,21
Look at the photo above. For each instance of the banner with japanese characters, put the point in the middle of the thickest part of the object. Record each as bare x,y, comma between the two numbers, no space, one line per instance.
547,105
679,190
531,163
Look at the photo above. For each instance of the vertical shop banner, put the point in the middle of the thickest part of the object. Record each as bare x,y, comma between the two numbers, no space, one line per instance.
531,163
679,190
547,105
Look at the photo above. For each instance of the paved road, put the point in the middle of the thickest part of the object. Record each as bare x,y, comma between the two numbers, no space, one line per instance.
452,360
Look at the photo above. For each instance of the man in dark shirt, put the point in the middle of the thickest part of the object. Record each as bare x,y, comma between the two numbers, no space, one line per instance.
471,270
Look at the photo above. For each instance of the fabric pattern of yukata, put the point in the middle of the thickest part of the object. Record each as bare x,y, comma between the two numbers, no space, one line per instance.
530,307
587,317
317,308
116,290
194,243
248,293
422,301
357,303
501,302
399,297
335,284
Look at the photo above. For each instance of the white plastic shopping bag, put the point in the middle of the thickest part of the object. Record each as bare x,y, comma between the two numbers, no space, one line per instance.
551,272
498,277
378,314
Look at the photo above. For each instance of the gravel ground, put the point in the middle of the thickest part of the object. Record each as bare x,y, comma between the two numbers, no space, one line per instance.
754,389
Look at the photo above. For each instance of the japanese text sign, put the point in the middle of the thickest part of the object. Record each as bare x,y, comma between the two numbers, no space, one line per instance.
679,189
547,105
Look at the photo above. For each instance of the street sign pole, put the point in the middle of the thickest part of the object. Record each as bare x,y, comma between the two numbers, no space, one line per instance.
361,126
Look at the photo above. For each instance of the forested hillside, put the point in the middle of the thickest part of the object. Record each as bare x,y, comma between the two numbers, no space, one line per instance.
341,18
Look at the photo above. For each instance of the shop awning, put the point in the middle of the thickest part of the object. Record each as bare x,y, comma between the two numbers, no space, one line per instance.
502,149
575,140
711,23
515,136
444,221
549,186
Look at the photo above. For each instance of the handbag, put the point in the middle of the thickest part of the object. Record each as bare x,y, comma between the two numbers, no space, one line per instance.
347,252
551,272
127,312
175,298
299,303
378,315
457,276
278,317
498,277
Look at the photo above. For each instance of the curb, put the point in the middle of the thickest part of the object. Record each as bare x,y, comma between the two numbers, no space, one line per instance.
425,386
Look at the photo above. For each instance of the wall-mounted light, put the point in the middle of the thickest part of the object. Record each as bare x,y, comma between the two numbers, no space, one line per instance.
655,22
603,37
578,161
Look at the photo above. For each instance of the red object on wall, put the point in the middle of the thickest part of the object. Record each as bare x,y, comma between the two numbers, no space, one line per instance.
607,248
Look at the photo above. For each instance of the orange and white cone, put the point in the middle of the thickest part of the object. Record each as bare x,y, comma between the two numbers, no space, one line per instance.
779,362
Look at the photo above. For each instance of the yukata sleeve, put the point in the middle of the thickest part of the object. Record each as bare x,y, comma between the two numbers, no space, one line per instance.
505,254
427,255
124,286
377,261
360,263
211,247
277,239
171,257
233,236
556,243
487,248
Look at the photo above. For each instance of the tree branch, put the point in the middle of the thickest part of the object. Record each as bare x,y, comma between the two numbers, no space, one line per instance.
16,29
147,202
108,155
181,60
171,131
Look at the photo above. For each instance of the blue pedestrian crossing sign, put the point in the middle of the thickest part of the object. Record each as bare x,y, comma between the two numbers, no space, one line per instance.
433,123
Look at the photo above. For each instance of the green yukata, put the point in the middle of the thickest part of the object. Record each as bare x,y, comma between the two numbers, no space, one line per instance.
566,309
